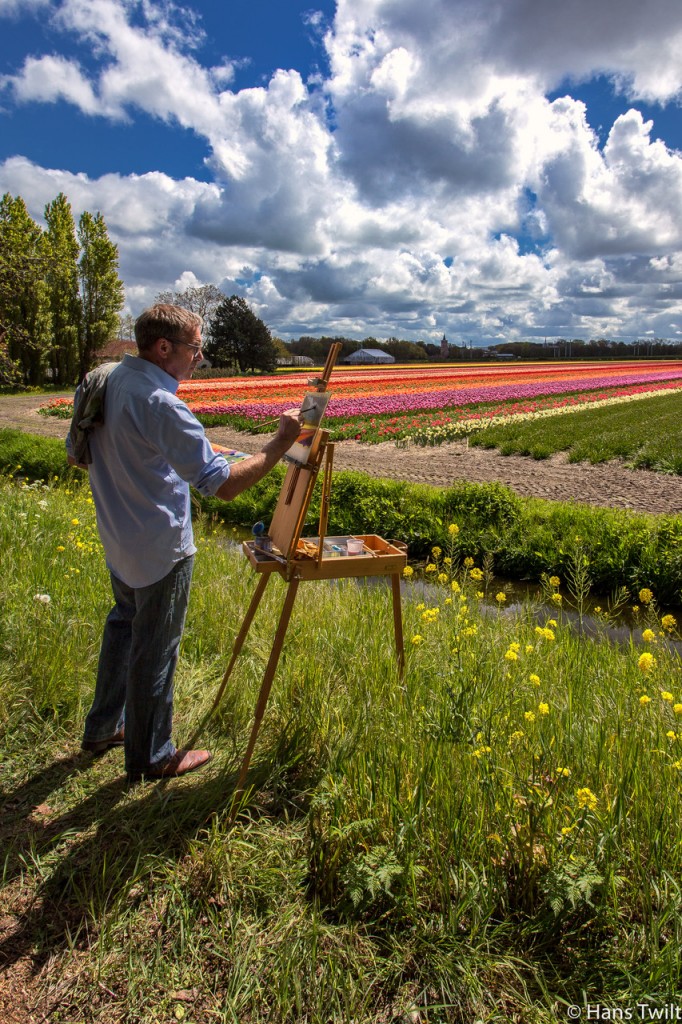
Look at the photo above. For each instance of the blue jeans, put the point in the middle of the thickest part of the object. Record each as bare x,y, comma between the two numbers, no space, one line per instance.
137,663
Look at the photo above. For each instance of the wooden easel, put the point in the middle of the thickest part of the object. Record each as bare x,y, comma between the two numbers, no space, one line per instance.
320,558
296,561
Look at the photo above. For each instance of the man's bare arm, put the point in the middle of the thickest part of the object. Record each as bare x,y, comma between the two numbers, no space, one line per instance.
247,473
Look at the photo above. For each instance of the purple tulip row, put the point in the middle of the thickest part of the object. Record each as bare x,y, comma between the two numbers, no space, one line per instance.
412,401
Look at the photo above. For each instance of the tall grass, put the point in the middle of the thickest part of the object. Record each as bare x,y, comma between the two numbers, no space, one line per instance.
490,837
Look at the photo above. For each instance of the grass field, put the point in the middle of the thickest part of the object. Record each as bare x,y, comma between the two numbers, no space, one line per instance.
490,839
645,434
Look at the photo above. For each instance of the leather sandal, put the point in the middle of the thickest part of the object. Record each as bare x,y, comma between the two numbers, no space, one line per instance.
182,762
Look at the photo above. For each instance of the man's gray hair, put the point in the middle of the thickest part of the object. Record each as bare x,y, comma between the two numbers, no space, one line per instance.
164,321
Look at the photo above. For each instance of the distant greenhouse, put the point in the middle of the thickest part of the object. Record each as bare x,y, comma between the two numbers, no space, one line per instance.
369,355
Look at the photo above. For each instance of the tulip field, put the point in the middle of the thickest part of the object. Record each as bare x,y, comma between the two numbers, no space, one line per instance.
388,391
375,404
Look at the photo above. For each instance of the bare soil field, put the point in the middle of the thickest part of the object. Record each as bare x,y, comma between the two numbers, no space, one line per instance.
611,485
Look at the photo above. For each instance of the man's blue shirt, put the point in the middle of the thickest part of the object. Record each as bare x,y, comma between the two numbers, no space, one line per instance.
150,449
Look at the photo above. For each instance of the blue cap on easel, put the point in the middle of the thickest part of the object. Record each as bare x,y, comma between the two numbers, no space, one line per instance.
258,529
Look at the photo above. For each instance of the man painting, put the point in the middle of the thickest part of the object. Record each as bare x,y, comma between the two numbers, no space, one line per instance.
146,454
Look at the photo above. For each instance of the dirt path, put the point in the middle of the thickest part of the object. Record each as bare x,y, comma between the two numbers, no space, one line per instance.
610,485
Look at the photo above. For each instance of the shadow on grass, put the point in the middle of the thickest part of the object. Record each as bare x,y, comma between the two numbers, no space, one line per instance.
87,860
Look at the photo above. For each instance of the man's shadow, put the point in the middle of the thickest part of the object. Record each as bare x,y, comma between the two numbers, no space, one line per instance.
96,866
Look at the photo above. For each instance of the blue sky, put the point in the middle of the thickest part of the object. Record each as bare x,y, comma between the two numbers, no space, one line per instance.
497,170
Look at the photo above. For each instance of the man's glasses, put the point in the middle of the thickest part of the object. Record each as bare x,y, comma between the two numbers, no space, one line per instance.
195,348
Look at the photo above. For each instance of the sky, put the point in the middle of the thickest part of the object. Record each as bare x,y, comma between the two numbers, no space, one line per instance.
491,170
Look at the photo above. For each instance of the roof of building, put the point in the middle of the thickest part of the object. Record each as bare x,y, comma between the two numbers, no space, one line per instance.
371,355
117,348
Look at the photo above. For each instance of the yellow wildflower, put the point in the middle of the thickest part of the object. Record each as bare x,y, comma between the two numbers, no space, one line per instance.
529,716
436,552
586,798
557,598
453,529
448,600
442,577
646,662
644,700
417,640
476,574
534,679
565,772
554,580
668,622
648,635
645,595
551,622
543,709
677,708
501,597
447,561
60,547
408,571
468,561
75,522
430,567
545,632
455,587
666,695
671,734
511,655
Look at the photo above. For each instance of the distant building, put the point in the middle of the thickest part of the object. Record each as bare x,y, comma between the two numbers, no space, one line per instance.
369,355
444,348
115,350
295,361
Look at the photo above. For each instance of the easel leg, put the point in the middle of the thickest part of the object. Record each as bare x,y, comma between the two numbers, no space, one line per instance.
266,685
398,623
238,644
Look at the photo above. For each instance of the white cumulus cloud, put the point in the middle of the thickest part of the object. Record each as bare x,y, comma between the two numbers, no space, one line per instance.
428,184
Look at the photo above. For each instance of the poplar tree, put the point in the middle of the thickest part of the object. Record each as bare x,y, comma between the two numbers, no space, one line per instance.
101,288
63,293
25,319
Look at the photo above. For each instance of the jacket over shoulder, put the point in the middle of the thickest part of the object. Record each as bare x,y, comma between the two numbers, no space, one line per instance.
88,412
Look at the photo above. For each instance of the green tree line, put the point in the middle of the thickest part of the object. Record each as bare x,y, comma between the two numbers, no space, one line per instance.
60,293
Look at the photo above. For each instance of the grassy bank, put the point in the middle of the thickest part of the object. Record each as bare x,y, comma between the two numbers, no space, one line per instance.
490,839
525,537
